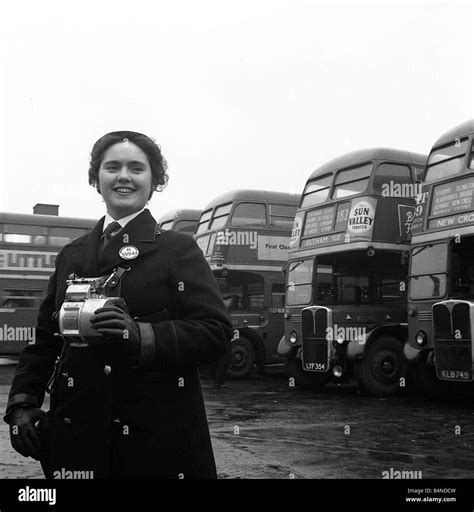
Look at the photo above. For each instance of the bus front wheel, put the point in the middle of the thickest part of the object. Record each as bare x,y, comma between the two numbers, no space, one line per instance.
242,358
382,371
309,380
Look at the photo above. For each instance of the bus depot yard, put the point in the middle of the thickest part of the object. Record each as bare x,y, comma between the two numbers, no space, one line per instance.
263,428
363,286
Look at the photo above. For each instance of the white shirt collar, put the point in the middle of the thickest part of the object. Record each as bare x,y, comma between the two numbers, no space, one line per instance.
123,221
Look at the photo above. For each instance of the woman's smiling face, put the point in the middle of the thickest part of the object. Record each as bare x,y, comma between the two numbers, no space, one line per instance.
125,179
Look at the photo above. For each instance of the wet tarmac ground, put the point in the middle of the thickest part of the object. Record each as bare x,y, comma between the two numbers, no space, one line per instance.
272,430
263,428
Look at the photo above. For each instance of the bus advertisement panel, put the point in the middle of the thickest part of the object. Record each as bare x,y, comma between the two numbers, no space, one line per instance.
352,221
29,245
244,236
346,276
441,296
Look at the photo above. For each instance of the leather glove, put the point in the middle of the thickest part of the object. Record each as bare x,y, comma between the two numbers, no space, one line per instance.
25,423
116,325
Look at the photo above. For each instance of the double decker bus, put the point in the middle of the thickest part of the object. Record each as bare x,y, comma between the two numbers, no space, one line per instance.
184,220
346,276
441,286
28,248
244,235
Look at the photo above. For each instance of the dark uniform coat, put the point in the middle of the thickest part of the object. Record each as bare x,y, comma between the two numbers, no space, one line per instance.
107,415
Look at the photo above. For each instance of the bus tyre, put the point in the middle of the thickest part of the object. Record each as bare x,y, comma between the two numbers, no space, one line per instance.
382,367
309,380
242,358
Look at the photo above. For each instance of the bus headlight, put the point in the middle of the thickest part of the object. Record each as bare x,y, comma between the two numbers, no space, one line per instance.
293,338
286,315
421,338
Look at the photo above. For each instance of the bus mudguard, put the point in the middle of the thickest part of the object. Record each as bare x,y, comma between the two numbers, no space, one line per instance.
356,348
283,348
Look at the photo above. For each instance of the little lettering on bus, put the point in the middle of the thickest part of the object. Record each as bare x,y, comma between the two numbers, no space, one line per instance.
361,220
27,259
449,221
276,246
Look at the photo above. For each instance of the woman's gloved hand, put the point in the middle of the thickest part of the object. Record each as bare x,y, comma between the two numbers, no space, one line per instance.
116,325
25,424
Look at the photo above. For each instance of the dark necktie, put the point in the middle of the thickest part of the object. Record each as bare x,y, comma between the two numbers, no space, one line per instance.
110,231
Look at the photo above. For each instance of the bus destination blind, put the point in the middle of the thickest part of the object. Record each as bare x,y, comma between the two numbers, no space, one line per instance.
319,222
450,202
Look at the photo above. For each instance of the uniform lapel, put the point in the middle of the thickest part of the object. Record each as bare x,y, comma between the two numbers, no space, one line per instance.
139,234
83,253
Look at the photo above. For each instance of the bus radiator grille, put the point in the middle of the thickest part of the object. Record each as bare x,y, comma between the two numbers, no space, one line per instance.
452,337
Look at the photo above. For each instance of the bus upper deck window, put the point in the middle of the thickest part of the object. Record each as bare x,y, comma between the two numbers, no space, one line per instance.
471,162
352,181
282,210
283,222
249,214
204,221
24,234
316,191
39,240
14,238
62,236
419,173
447,160
166,225
220,216
185,226
282,216
389,173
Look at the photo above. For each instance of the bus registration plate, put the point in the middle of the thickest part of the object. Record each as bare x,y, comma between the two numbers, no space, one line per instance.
455,375
315,367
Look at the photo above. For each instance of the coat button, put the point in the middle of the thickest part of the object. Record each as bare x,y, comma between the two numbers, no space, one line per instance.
107,369
67,421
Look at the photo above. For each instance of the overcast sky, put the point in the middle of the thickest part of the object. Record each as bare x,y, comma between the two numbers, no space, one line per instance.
244,94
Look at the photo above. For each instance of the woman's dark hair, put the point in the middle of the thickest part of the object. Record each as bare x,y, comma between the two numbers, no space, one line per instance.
152,150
